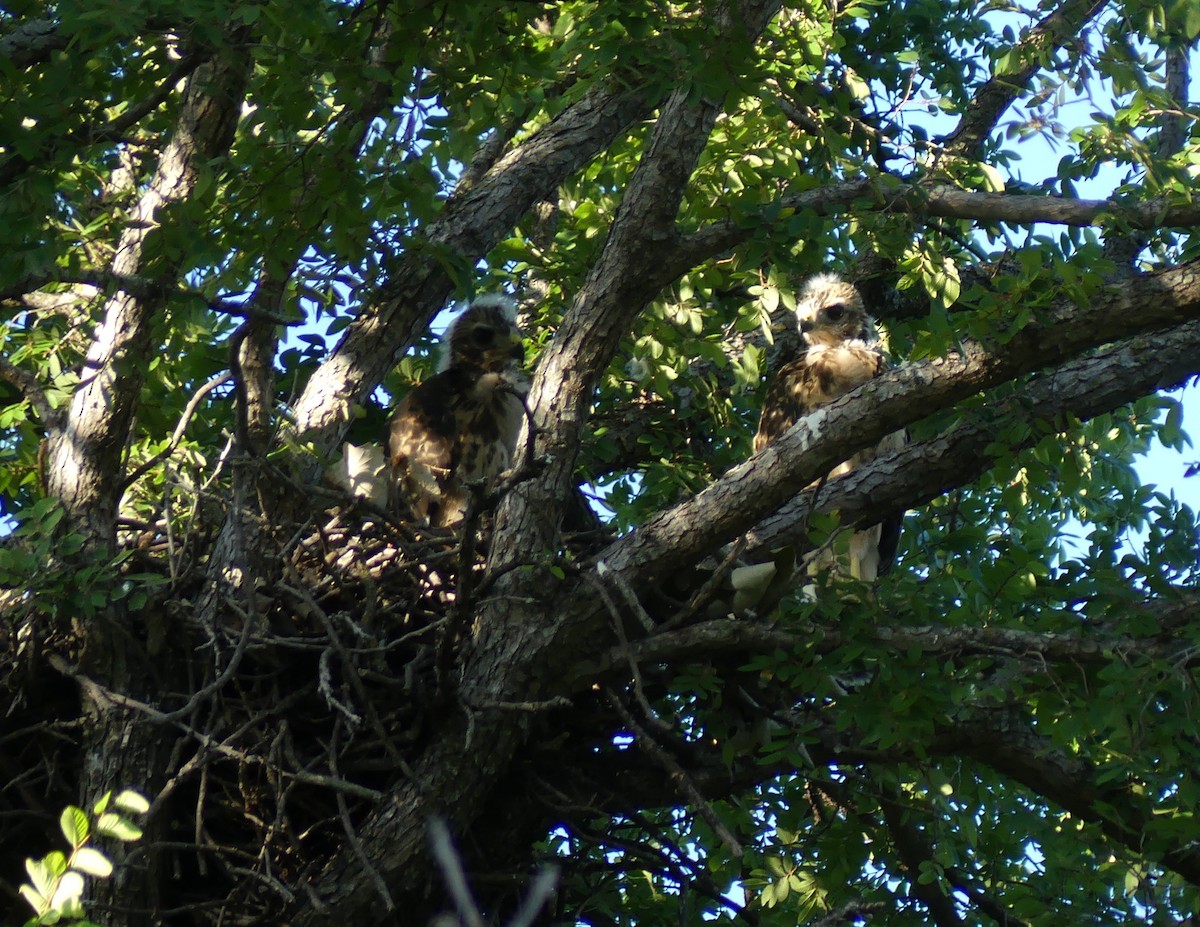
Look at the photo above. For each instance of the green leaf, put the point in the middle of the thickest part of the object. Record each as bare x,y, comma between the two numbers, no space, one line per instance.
92,862
113,825
132,801
74,824
43,876
38,902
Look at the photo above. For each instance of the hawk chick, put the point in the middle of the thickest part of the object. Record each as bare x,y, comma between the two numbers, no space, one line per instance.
460,426
842,352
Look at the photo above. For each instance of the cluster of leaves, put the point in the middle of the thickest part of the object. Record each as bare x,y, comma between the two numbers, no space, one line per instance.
55,889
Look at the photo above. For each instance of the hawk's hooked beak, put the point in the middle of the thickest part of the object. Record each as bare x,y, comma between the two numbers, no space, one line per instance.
516,348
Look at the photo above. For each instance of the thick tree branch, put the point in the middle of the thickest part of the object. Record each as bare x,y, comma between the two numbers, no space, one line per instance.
392,836
995,738
629,272
887,194
914,847
471,224
762,484
1040,651
85,470
1081,389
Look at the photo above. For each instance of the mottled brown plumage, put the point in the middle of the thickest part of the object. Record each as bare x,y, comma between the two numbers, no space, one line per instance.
460,426
841,352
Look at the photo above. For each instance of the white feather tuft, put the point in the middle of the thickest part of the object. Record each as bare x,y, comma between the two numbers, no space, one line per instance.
501,301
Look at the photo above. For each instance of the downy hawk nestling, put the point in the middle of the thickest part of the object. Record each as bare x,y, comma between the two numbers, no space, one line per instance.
842,352
460,426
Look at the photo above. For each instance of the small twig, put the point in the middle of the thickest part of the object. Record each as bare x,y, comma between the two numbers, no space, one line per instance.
351,673
223,677
325,687
849,912
352,834
539,893
452,872
629,595
559,701
103,696
678,774
708,589
461,609
635,671
190,410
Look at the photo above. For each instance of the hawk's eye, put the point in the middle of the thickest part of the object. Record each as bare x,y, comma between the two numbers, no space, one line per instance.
835,313
482,336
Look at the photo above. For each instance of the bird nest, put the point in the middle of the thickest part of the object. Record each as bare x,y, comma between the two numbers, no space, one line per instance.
262,738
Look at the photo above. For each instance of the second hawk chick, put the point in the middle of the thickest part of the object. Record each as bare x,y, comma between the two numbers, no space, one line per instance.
460,426
842,352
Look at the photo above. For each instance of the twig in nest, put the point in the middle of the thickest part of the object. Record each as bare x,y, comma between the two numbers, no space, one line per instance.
460,610
349,670
677,773
452,873
224,676
105,697
325,687
352,834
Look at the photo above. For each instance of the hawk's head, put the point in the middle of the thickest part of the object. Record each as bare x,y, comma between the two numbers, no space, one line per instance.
485,336
830,312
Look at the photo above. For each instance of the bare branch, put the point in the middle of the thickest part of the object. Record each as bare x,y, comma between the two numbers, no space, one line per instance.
887,194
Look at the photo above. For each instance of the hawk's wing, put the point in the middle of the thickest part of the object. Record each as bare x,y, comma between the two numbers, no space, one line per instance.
457,427
421,444
819,375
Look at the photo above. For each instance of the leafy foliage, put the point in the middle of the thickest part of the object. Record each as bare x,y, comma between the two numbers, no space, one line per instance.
230,230
57,880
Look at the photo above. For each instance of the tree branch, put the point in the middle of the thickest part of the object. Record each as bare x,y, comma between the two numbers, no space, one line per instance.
85,470
899,397
1080,389
889,194
1028,57
471,224
33,392
628,273
514,184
